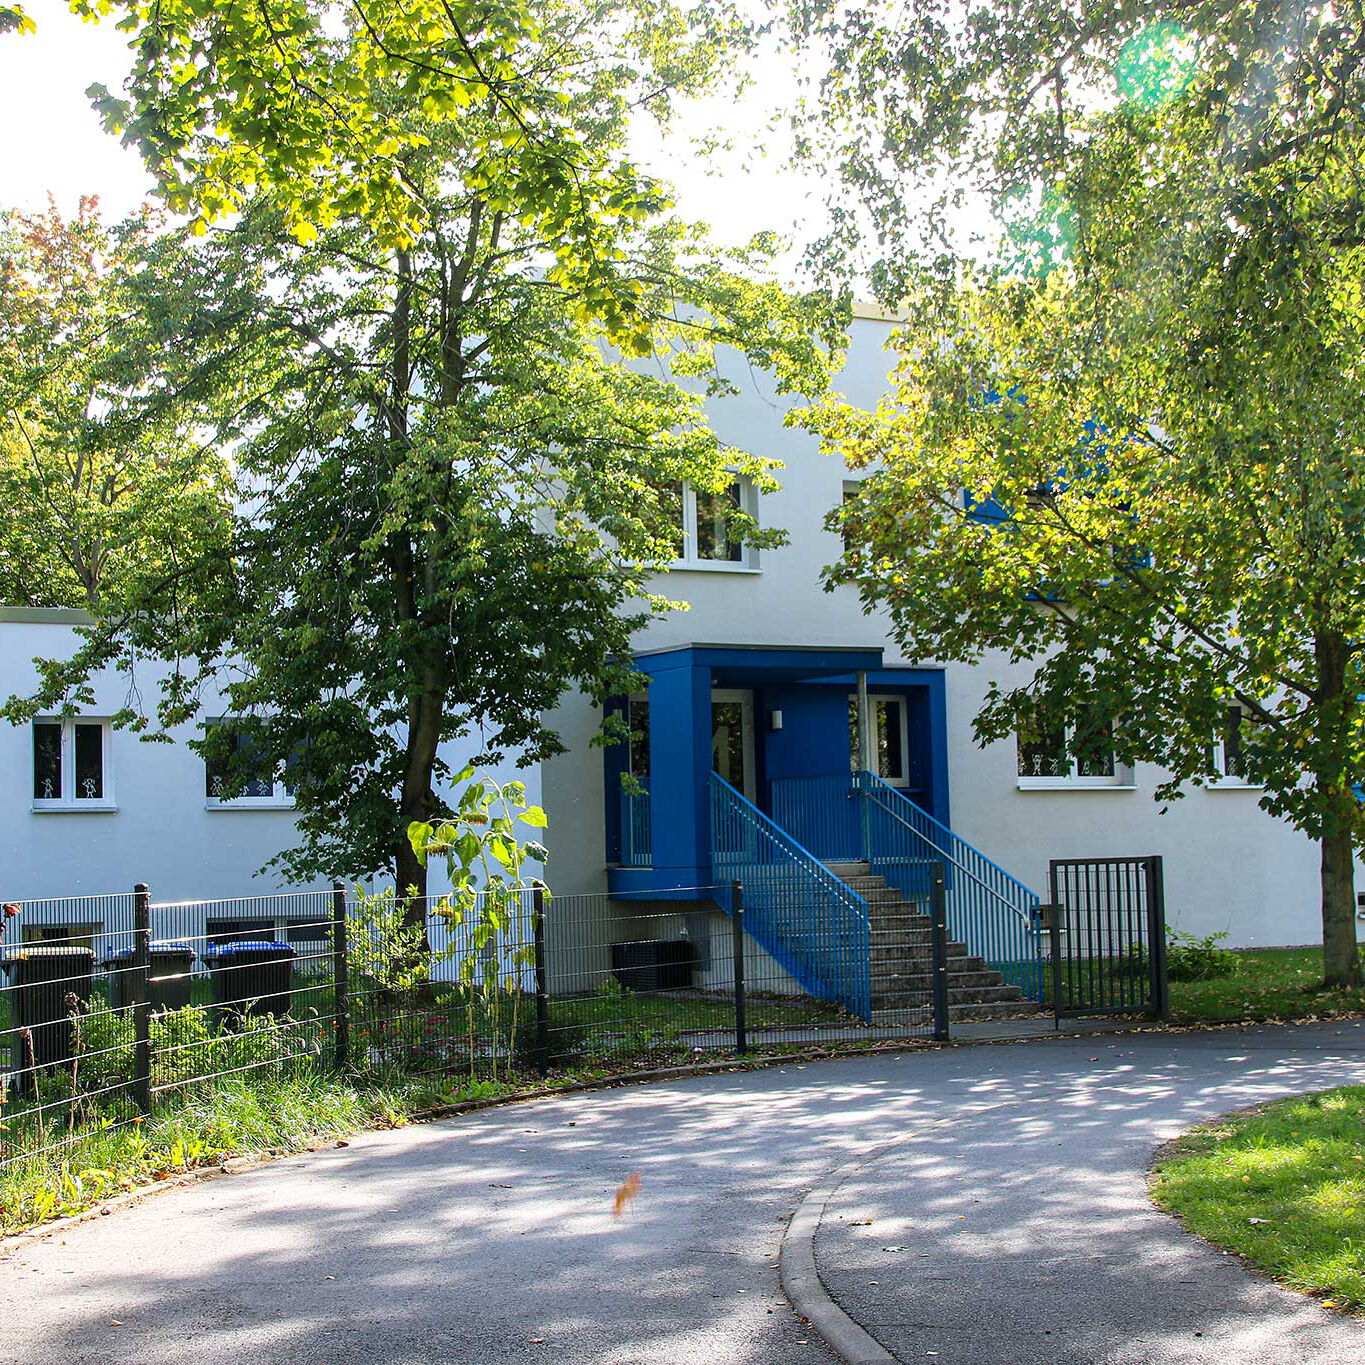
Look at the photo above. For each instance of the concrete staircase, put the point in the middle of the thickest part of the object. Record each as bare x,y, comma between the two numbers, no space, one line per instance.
902,960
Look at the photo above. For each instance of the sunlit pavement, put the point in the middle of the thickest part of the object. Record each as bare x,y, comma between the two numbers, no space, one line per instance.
1004,1184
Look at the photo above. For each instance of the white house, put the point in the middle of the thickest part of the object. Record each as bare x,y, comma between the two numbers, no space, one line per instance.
762,681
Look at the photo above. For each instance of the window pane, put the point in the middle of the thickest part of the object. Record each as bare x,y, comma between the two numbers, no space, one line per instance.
639,739
1094,747
1042,752
89,762
713,537
890,756
47,760
237,773
1232,743
672,499
853,755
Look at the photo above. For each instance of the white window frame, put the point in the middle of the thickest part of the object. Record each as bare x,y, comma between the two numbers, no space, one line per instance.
1122,778
281,798
69,800
897,700
1226,781
690,560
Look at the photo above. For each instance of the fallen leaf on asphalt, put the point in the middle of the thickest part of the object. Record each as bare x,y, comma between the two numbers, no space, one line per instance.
626,1193
114,1322
860,1223
535,1341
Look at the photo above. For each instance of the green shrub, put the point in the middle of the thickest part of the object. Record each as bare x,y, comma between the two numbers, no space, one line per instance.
1189,958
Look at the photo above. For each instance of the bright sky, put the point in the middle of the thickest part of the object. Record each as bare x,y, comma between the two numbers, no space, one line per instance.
55,142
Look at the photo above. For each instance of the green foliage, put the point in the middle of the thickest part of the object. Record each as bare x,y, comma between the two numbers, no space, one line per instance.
1283,1186
185,1048
1153,384
456,497
107,493
491,903
1191,958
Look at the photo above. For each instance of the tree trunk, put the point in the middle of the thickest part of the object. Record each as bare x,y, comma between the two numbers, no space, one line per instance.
1340,955
1337,698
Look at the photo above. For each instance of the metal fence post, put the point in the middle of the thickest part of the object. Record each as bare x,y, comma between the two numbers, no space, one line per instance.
139,996
542,983
737,951
341,979
1160,992
938,912
1052,923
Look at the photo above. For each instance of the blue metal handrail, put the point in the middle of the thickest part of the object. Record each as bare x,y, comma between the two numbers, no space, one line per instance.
795,908
857,817
992,912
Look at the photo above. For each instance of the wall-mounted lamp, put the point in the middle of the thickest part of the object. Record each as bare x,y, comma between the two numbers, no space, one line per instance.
774,720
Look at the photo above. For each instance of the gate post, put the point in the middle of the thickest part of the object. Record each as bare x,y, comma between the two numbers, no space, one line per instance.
938,913
1052,924
542,982
341,983
737,953
1159,990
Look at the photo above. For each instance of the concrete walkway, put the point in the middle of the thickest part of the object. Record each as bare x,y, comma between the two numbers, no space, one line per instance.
1004,1184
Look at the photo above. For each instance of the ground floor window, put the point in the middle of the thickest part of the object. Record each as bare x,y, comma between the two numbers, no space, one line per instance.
890,738
1053,754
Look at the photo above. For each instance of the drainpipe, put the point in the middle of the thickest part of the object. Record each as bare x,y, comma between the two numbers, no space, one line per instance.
864,759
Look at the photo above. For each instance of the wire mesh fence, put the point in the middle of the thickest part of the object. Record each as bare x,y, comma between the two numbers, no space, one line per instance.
113,1006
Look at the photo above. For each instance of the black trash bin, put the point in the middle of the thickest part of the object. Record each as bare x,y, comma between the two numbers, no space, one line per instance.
252,976
654,965
43,979
168,976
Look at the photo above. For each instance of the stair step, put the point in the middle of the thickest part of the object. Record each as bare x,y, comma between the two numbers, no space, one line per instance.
923,981
893,1017
916,993
850,869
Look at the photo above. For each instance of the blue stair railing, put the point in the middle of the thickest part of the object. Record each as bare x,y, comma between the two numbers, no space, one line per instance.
858,817
795,909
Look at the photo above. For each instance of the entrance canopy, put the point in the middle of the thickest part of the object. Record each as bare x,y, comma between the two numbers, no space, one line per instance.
749,665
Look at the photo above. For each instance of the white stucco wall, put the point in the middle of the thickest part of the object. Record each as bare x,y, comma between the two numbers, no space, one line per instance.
1228,866
162,831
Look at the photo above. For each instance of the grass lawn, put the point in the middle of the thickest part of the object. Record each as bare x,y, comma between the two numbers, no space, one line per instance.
1284,1187
1269,983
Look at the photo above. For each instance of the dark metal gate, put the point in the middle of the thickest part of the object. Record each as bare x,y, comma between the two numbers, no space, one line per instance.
1106,934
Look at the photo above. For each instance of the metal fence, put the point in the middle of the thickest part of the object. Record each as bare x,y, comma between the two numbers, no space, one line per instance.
113,1006
1106,930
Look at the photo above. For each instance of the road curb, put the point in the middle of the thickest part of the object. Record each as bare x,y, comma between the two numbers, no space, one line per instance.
801,1281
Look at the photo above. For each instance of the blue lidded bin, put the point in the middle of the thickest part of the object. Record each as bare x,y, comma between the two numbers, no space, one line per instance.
254,976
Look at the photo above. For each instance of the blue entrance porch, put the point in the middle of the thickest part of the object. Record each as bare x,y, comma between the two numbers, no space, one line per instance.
797,708
745,768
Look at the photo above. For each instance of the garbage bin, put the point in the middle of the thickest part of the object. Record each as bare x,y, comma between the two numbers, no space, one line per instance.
168,976
654,965
42,979
252,976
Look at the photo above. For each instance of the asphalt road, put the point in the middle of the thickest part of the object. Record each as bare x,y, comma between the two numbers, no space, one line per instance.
1004,1187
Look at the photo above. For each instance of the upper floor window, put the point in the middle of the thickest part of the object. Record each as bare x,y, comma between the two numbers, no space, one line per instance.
1081,755
71,769
238,778
707,536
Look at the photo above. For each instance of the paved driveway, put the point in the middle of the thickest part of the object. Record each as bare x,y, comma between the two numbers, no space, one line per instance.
1008,1180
